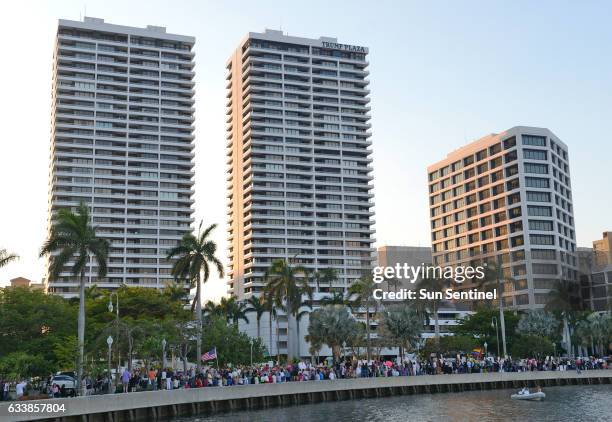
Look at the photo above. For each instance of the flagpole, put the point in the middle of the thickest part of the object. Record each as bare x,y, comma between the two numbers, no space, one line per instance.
217,359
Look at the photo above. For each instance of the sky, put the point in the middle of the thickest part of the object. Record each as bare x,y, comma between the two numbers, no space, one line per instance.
443,73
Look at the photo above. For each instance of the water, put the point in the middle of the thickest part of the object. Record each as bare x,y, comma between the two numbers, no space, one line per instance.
576,403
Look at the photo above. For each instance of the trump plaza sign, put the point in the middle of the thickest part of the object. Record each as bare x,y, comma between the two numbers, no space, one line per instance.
346,47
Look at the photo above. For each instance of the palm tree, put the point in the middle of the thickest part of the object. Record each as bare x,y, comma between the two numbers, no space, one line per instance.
257,304
299,314
325,276
194,255
287,285
7,257
72,242
211,309
561,299
362,294
332,325
401,325
494,276
337,298
233,310
433,284
269,305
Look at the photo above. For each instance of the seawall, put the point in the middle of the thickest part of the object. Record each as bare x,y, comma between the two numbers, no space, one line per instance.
164,405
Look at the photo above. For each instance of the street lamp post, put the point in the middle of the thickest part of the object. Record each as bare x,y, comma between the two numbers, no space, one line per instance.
486,350
172,349
163,343
502,319
109,341
110,309
496,333
251,343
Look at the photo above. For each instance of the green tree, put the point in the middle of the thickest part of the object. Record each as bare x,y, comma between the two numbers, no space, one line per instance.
479,325
538,323
176,292
7,257
336,298
286,286
72,243
450,345
529,346
324,277
20,365
34,323
257,305
332,325
193,258
233,310
233,346
66,351
401,325
563,299
362,295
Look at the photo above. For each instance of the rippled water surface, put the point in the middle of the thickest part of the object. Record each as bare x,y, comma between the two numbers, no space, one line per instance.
580,403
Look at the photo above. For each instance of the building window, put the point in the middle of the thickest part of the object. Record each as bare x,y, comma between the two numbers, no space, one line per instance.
509,143
541,239
534,154
536,141
537,182
538,196
539,211
536,168
544,254
541,225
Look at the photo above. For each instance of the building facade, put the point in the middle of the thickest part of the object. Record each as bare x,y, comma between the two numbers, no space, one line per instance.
24,282
448,313
506,199
122,142
390,256
299,159
596,274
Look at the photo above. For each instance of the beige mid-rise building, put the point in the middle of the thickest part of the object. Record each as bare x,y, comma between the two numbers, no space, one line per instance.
596,273
507,198
25,282
602,250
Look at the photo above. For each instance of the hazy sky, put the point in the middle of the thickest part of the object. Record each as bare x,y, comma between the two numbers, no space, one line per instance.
442,73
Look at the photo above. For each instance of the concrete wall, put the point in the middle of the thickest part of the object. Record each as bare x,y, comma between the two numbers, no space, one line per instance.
154,401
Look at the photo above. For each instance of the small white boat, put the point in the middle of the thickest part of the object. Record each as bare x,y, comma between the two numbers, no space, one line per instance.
529,396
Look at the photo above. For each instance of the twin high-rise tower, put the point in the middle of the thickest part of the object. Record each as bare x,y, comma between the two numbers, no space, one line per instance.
298,155
298,151
122,142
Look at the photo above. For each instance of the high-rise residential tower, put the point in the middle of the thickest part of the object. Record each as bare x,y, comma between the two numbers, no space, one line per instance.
506,198
298,155
122,142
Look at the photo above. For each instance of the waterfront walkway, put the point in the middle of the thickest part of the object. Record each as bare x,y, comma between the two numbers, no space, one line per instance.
163,405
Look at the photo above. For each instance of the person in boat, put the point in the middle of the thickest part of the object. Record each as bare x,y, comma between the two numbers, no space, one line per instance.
539,389
524,391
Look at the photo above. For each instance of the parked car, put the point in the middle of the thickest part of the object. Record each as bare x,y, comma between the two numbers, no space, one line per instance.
65,381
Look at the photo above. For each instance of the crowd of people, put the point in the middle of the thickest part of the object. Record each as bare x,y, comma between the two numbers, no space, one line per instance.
141,379
304,371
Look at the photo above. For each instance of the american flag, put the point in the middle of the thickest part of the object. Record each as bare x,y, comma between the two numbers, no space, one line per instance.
211,354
